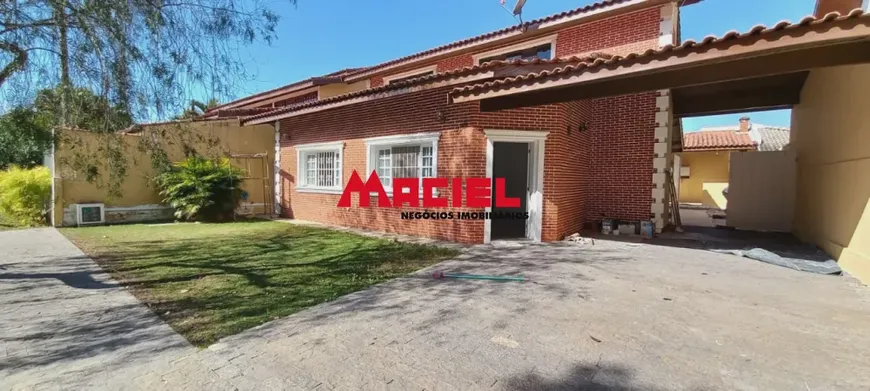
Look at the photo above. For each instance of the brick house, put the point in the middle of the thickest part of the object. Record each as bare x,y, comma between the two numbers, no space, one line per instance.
572,163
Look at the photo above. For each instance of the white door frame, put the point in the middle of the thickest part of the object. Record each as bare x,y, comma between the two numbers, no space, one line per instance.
535,201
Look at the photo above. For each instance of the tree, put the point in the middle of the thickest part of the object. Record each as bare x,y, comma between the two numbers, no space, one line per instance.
143,57
25,136
85,110
197,109
147,56
26,131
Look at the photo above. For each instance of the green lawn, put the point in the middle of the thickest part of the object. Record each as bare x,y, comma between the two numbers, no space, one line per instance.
209,281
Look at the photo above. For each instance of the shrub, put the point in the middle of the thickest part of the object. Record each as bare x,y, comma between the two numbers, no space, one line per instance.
25,195
199,188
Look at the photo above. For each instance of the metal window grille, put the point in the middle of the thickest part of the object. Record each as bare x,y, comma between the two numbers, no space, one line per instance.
323,169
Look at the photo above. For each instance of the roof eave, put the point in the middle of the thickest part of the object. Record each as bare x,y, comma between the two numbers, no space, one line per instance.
534,29
778,42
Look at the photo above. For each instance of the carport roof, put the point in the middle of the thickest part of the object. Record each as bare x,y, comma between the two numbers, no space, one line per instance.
805,41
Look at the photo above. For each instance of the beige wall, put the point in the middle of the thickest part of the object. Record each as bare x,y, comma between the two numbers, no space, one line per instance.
831,135
761,191
139,199
708,176
331,90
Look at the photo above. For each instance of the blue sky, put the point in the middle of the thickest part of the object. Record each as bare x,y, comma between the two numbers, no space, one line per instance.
321,36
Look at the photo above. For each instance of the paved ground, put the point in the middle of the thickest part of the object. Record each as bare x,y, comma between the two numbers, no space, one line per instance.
694,217
65,324
608,316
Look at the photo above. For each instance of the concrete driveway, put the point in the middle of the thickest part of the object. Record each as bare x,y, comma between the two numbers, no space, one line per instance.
610,316
604,316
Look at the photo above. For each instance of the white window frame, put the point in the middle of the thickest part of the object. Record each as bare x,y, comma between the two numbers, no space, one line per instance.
550,39
302,150
418,71
404,140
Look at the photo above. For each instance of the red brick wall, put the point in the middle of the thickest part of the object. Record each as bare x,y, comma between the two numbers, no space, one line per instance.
633,32
572,169
604,171
456,62
461,153
545,118
622,133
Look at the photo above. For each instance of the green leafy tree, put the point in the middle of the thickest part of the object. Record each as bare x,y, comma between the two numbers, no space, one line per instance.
26,131
148,56
85,110
24,138
200,188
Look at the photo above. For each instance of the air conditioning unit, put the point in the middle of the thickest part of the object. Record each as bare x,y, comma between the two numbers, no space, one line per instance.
90,214
685,172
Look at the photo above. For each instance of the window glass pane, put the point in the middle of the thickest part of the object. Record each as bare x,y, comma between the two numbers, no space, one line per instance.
427,162
310,169
336,179
405,162
384,167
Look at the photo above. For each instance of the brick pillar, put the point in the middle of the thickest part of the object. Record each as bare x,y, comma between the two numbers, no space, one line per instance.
662,159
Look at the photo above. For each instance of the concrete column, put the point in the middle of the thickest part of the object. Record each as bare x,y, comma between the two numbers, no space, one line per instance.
662,159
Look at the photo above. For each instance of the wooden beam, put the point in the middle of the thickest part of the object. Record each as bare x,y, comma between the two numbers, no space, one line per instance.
775,92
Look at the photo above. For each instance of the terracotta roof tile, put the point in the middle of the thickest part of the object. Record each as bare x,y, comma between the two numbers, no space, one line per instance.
490,65
716,140
356,71
506,30
662,52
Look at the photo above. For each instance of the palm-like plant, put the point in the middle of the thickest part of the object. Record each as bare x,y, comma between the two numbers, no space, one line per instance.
198,108
200,188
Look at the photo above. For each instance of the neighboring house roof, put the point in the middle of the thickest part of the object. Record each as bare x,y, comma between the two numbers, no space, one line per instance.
719,128
773,138
717,140
557,75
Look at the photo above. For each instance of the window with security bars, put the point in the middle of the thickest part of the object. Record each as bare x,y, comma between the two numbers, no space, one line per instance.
320,169
405,161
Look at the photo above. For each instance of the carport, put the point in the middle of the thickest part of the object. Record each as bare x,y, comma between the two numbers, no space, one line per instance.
764,68
817,67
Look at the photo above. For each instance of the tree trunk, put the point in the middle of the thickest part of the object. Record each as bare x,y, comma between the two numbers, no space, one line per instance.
63,43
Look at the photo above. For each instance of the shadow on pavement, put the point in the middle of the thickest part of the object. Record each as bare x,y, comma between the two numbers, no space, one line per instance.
581,377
